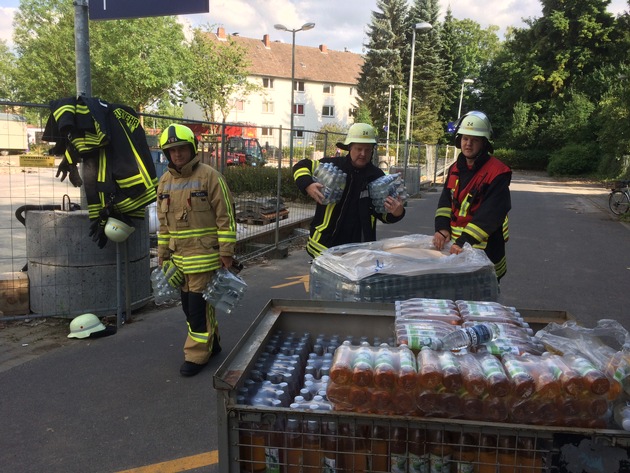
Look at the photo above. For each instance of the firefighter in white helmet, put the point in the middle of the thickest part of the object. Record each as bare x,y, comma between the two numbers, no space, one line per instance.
475,199
197,236
353,218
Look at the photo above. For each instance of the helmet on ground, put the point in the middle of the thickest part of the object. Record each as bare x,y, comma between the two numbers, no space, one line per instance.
82,326
177,135
474,123
117,230
359,133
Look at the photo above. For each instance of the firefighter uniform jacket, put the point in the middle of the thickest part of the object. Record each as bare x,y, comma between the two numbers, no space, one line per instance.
196,214
474,205
118,171
353,218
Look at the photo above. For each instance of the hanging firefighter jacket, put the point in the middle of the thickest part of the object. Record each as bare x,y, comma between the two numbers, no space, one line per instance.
119,176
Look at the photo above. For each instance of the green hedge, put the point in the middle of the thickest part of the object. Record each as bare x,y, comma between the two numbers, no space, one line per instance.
262,181
524,160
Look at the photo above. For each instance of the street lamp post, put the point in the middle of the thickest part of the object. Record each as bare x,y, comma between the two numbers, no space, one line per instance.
398,127
389,114
422,26
305,26
461,96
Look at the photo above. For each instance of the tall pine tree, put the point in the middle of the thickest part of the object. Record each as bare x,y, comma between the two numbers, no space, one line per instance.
383,62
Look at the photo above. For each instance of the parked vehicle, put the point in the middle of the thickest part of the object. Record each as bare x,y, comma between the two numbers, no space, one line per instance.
13,134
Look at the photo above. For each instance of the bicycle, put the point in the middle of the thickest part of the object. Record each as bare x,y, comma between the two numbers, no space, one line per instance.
619,198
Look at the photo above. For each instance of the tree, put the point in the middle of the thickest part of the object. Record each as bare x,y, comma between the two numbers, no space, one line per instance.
383,61
138,61
7,65
132,61
429,84
216,75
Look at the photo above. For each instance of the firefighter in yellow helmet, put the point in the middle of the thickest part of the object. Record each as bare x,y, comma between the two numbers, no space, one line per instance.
475,199
197,236
353,218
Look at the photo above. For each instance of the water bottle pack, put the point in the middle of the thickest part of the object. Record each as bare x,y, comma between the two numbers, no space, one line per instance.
225,290
388,185
333,180
163,292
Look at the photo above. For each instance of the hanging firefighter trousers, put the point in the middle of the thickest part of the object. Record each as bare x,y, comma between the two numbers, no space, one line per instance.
203,327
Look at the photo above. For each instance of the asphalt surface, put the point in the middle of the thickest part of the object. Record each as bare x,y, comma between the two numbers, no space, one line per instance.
118,403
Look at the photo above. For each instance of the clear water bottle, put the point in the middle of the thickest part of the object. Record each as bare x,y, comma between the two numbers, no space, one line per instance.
225,290
387,185
334,181
621,415
163,292
468,337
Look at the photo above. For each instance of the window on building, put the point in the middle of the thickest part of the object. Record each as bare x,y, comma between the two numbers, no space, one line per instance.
267,107
328,111
329,89
353,112
351,90
268,82
298,132
298,86
265,131
239,105
298,108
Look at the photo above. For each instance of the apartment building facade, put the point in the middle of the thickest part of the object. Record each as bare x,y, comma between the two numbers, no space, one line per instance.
324,89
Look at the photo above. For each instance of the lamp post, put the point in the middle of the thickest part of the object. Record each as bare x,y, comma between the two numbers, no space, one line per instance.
389,114
398,127
422,26
305,26
461,96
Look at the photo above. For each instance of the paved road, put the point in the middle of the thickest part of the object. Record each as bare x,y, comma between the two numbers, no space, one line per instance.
118,403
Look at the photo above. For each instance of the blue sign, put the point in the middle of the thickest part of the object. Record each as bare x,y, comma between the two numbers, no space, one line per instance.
118,9
450,127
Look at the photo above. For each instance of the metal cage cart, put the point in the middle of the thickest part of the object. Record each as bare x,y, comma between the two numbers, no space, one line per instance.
271,437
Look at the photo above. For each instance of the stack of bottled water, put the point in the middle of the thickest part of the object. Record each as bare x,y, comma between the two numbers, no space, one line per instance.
225,290
163,292
334,181
390,184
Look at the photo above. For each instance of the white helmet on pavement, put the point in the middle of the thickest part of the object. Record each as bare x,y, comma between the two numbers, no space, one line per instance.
82,326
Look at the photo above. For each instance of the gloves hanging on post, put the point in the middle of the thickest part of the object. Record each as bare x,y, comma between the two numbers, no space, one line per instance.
66,168
97,228
173,274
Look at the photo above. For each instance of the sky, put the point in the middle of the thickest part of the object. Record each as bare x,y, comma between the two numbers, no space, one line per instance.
339,24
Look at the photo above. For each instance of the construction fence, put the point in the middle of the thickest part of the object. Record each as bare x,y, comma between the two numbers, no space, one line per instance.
41,227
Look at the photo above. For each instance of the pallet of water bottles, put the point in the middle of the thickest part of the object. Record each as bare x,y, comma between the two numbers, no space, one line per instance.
328,386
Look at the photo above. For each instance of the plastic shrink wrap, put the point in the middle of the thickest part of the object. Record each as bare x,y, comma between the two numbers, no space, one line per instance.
402,268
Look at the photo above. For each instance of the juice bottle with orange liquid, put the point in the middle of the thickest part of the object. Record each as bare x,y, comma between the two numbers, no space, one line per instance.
419,461
363,365
312,452
464,453
429,372
398,450
341,368
385,367
379,449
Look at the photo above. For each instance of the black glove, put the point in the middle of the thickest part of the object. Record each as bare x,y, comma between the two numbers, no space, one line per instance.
66,168
97,228
97,232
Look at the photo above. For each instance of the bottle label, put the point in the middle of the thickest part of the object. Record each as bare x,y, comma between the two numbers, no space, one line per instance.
419,463
464,467
398,463
330,465
480,334
272,460
440,463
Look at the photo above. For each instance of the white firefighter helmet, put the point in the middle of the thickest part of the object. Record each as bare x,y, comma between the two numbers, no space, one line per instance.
474,124
117,230
82,326
359,133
